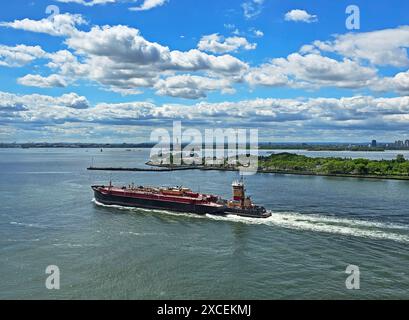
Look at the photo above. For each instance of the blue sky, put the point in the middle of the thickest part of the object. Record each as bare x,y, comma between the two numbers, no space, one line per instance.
112,70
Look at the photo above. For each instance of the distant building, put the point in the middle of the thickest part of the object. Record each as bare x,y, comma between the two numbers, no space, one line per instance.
373,144
399,143
407,143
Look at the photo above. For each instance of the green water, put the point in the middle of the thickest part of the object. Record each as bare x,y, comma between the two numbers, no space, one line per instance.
319,226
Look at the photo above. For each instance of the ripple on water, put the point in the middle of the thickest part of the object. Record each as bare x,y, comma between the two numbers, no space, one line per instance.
306,222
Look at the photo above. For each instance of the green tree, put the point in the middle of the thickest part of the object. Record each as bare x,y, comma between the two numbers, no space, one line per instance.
400,158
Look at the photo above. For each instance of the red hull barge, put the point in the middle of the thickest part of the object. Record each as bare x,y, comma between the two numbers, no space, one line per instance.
180,200
173,199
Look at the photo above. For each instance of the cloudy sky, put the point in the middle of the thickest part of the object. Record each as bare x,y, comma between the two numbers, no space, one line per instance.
114,70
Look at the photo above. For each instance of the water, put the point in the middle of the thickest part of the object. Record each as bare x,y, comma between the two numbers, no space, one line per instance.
318,227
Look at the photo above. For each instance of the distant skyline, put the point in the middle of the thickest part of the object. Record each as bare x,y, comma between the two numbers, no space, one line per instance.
114,70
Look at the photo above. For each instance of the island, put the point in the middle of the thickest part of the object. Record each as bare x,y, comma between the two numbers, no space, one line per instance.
289,163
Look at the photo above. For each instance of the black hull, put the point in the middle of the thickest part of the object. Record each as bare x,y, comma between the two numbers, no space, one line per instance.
108,199
258,212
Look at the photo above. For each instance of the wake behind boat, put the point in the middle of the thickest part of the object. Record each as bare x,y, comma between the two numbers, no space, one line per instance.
179,199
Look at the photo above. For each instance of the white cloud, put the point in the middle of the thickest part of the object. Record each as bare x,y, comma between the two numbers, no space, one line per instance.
126,47
43,108
73,101
252,8
117,42
298,15
386,47
119,58
60,25
288,117
311,71
191,87
88,3
267,75
20,55
218,44
123,92
398,83
38,81
149,4
257,33
401,82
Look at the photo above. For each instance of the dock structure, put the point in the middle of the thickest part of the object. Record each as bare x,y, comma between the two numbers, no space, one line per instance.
134,169
160,168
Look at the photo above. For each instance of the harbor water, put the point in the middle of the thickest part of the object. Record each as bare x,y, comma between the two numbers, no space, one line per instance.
318,227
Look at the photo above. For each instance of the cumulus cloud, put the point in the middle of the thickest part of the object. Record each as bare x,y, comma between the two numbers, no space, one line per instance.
216,43
121,60
386,47
311,71
358,114
191,87
20,55
38,81
149,4
298,15
123,92
268,75
60,25
122,45
398,83
41,109
73,100
401,82
88,3
117,42
119,57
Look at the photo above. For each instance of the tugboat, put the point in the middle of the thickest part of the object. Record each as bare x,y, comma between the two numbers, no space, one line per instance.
243,206
179,199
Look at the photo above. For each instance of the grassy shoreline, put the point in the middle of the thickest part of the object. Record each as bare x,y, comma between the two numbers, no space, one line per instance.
293,164
299,173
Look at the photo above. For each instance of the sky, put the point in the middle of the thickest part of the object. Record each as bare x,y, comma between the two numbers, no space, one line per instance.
115,70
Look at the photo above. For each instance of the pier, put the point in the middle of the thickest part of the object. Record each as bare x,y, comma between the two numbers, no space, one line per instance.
160,169
135,169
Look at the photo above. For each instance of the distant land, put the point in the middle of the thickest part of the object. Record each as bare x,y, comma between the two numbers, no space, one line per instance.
288,163
317,146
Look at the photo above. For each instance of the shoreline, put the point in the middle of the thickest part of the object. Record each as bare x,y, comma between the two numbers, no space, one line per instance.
162,168
312,148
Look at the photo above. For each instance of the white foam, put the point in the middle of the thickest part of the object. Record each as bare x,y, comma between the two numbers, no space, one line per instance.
313,223
42,172
139,234
73,245
324,224
23,240
30,225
